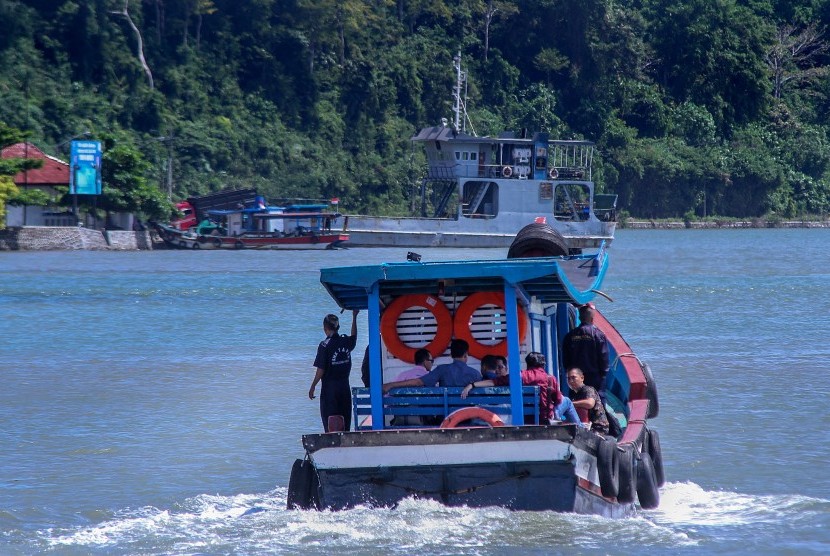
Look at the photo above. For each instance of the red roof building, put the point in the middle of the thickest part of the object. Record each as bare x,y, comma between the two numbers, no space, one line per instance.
53,171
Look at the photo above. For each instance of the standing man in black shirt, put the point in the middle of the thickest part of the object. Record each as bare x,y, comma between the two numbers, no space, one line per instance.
586,348
334,363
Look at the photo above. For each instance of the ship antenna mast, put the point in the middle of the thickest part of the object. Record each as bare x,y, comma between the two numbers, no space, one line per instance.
460,105
459,79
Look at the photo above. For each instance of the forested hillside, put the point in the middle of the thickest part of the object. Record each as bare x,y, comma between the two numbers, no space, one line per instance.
698,107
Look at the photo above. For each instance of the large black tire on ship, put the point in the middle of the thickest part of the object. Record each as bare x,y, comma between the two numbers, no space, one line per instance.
647,491
302,486
537,240
628,474
656,453
651,392
608,468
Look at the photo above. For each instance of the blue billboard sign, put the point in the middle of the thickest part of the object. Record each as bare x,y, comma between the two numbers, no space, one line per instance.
85,168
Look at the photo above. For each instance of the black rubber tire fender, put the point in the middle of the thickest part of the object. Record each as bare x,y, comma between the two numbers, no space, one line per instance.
608,468
196,245
651,392
647,492
537,240
239,244
299,485
656,453
628,474
217,242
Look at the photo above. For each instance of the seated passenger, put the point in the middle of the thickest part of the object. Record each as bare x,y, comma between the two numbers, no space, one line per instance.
423,365
457,373
587,402
491,366
501,367
552,405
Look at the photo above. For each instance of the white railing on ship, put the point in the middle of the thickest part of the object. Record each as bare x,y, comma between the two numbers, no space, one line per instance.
506,171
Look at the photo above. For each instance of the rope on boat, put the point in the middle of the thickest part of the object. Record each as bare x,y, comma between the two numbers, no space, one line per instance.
410,490
617,359
603,294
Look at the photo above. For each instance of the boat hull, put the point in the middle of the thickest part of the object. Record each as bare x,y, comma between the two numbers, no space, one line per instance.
433,232
186,240
544,468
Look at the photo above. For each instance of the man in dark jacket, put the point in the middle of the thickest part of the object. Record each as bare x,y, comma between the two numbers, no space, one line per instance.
586,348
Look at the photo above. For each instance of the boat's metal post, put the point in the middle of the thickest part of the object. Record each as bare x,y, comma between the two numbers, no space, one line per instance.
563,322
552,357
375,371
513,361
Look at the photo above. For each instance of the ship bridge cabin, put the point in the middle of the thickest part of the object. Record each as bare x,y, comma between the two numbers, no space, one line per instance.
486,177
453,155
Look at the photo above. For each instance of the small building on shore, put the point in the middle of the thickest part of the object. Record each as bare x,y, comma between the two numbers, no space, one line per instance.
52,174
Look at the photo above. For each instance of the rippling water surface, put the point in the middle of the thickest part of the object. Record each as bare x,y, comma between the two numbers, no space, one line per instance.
152,403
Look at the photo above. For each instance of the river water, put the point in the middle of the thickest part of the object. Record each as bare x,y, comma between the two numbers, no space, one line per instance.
153,402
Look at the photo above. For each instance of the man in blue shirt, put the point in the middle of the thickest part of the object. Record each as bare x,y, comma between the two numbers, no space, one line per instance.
457,373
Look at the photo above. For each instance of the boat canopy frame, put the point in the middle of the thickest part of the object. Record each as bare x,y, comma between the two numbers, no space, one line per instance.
544,280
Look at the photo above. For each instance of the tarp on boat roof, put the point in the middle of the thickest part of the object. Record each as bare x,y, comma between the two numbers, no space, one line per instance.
276,212
305,207
548,279
225,212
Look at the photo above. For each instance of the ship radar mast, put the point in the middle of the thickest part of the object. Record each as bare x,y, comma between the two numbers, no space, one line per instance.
460,105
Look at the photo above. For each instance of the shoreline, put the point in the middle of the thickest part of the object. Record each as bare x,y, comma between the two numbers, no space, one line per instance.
757,223
42,238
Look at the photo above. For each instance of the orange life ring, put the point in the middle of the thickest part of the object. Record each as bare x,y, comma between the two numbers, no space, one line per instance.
553,174
389,325
507,171
461,324
466,413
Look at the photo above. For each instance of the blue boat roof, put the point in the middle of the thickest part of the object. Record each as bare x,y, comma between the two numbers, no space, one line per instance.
548,279
224,212
305,208
289,210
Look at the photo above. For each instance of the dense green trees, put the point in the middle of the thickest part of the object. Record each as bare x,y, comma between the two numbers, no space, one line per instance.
699,107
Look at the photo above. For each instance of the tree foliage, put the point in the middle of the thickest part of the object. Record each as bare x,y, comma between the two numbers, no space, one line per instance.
701,107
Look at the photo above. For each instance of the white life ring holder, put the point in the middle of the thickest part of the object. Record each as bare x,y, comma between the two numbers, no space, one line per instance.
553,173
507,171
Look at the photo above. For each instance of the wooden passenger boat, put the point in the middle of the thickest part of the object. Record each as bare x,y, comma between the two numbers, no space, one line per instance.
260,227
512,307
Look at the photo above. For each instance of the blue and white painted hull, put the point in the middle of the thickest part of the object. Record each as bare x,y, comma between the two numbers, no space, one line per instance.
522,468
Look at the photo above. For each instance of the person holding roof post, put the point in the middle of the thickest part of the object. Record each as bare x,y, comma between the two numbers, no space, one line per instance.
334,363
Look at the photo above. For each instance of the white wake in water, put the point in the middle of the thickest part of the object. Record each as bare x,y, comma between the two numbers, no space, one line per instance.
689,518
687,504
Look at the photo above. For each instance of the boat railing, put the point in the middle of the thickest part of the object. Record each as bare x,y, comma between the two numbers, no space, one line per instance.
427,406
562,169
605,206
